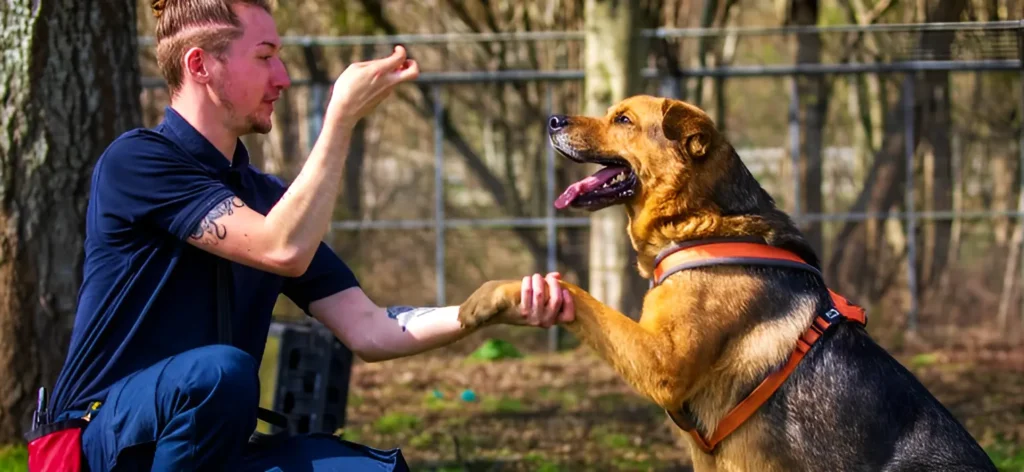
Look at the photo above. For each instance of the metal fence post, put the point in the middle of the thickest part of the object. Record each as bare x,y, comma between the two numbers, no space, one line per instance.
1020,150
317,95
552,261
439,220
911,217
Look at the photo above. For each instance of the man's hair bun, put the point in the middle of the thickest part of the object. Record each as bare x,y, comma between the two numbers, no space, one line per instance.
158,7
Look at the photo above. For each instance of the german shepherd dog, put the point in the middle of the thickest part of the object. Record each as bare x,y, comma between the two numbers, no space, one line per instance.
711,334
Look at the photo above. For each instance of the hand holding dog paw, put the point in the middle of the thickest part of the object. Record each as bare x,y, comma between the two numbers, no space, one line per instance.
543,302
534,301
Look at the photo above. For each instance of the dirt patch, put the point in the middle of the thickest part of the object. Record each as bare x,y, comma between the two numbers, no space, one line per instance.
570,411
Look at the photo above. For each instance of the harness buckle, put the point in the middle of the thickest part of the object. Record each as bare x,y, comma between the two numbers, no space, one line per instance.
832,315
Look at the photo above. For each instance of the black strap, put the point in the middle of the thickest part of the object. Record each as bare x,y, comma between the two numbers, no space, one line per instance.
225,291
224,294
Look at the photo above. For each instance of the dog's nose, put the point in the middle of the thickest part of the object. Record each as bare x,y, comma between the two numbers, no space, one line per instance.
557,122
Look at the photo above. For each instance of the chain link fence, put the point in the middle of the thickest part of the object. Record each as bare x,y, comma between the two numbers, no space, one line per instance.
908,137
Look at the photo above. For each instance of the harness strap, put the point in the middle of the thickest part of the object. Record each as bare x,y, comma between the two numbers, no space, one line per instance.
743,253
225,291
224,300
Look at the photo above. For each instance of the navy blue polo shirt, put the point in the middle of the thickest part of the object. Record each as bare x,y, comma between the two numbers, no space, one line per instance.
147,294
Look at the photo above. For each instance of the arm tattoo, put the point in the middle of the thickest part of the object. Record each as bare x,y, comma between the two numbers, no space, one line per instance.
404,314
208,229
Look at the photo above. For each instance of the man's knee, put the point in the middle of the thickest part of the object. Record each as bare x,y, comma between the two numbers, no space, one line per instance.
222,378
206,402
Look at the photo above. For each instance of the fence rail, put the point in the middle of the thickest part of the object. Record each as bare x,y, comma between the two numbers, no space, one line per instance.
470,77
663,33
437,80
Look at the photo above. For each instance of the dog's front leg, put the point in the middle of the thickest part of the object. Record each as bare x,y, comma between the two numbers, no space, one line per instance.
659,363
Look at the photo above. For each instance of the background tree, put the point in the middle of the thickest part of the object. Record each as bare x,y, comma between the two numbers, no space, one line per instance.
69,84
615,55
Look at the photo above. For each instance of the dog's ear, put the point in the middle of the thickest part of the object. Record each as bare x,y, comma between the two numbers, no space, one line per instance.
697,144
686,128
673,120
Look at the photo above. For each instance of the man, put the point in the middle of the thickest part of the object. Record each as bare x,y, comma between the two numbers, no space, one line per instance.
170,203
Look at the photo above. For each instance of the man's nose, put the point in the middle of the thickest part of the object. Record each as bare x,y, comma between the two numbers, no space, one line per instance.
280,76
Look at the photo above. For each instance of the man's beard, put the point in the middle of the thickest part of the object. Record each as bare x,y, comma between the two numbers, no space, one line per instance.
258,125
249,124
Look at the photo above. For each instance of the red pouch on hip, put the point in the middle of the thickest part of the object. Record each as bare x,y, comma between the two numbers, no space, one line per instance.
56,447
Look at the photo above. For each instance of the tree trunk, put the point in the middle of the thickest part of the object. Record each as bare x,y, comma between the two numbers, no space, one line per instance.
813,93
936,109
859,262
614,56
69,84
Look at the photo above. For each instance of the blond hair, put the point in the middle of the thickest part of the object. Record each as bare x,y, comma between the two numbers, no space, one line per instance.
184,24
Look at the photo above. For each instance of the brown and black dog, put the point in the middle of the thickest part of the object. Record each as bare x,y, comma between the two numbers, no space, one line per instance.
710,335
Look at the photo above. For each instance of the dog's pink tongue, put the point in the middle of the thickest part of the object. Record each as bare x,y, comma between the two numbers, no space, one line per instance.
586,185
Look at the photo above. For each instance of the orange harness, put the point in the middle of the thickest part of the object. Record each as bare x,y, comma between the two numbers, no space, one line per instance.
702,254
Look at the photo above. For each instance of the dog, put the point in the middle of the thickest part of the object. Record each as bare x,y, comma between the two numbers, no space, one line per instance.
740,341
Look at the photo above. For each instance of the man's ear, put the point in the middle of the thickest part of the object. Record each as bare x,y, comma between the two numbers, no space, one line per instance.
195,65
682,126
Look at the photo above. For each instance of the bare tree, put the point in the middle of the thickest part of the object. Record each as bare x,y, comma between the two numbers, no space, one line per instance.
862,256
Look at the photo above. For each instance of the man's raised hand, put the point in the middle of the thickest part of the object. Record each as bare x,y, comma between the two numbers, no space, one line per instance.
363,85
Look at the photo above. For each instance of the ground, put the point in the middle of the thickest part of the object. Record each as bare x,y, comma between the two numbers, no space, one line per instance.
476,406
570,411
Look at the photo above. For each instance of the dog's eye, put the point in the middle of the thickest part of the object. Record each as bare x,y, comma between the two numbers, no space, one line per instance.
622,120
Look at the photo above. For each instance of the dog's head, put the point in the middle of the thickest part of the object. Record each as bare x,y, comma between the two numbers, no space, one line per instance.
666,161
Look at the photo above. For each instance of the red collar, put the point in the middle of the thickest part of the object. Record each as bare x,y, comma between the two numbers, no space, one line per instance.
706,253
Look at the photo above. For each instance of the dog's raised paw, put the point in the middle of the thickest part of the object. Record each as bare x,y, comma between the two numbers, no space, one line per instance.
489,303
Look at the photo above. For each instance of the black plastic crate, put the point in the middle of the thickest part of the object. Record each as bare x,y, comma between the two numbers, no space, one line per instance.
312,381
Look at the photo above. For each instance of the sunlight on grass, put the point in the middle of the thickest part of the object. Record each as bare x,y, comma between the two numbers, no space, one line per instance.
503,404
609,438
1007,456
924,360
396,422
541,463
13,458
268,378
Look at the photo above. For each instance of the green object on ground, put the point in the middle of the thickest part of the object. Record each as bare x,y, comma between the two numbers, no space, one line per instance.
496,349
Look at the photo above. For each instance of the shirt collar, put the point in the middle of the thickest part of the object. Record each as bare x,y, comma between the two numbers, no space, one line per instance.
201,148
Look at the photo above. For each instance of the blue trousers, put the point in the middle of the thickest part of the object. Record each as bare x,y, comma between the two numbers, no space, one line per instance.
196,411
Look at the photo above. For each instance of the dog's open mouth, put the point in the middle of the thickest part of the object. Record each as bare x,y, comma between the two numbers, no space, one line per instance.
611,185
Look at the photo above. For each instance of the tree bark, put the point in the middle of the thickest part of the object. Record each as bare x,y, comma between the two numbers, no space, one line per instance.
858,261
813,93
614,57
936,108
69,84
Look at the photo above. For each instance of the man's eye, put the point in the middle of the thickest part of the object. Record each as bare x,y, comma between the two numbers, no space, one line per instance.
622,120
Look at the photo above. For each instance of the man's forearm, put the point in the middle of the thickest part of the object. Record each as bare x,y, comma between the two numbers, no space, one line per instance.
301,217
400,331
